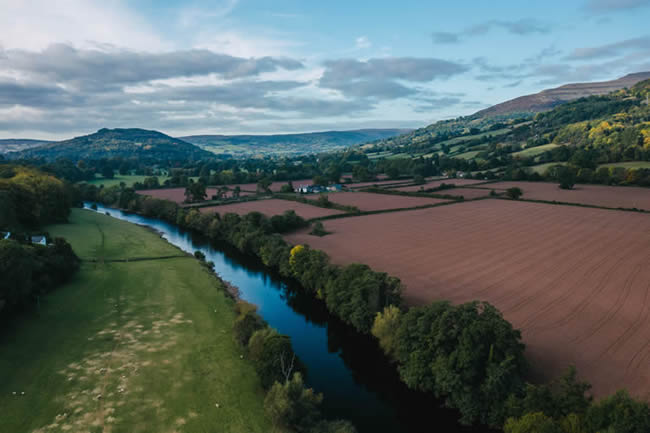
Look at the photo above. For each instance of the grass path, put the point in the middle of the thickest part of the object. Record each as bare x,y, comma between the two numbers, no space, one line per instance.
142,346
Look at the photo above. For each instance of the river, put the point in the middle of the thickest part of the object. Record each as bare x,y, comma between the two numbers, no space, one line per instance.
357,380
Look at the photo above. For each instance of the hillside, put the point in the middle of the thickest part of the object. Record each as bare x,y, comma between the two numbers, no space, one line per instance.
288,144
18,144
126,143
586,134
550,98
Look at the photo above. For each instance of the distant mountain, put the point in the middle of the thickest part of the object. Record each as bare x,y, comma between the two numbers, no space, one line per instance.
288,144
107,143
18,144
548,99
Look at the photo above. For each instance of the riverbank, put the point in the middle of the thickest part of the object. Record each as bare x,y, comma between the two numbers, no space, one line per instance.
142,346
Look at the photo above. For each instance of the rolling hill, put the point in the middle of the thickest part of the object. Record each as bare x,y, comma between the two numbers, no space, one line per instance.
288,144
550,98
18,144
107,143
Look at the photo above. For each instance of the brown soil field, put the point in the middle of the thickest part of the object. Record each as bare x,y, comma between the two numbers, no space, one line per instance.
367,201
178,194
272,207
575,280
377,183
596,195
468,193
437,183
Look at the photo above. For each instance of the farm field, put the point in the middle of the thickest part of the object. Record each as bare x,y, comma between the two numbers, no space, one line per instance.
367,201
129,180
178,194
628,165
574,280
272,207
595,195
534,151
437,183
380,183
469,193
153,338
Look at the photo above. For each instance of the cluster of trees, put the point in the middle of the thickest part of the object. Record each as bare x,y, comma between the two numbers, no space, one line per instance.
289,403
29,271
30,197
467,354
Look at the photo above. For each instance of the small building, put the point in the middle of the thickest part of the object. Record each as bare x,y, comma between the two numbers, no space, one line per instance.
334,188
40,240
5,235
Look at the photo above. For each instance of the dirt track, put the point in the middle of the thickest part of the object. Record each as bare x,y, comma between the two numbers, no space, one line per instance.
272,207
576,281
597,195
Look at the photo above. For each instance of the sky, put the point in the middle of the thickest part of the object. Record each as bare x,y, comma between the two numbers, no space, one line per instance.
71,67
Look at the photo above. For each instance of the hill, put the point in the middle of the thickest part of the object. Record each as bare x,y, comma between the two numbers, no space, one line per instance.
18,144
288,144
126,143
592,136
550,98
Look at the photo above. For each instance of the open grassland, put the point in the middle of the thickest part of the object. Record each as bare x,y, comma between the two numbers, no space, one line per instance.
541,168
575,280
129,180
595,195
178,194
628,165
437,183
366,201
272,207
128,347
534,151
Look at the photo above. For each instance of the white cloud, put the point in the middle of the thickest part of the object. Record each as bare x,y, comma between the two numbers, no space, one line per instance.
35,24
362,43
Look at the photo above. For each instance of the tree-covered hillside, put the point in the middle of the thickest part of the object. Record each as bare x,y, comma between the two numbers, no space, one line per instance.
591,136
110,143
246,146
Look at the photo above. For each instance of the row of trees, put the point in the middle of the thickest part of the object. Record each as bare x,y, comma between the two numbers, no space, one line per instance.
288,403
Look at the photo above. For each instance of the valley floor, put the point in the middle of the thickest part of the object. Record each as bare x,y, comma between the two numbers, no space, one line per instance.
141,346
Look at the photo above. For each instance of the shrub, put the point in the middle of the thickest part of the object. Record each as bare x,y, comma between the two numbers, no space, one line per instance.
514,193
318,230
247,322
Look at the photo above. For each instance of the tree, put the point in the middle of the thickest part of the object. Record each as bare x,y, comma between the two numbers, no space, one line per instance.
195,192
514,193
618,413
385,329
290,404
318,230
566,176
272,356
320,180
107,172
532,423
263,185
236,192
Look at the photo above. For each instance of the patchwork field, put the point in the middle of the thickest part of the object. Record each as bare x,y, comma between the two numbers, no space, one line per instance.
575,280
178,194
437,183
366,201
272,207
143,346
596,195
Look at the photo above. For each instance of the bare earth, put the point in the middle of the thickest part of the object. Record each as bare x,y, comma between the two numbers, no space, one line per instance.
272,207
576,281
437,183
597,195
367,201
178,194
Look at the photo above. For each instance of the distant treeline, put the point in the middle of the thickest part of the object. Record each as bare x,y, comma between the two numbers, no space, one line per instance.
467,354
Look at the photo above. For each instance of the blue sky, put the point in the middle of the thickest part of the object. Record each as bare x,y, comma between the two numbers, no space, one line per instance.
262,66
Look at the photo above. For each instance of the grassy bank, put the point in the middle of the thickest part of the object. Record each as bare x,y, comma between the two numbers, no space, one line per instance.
142,346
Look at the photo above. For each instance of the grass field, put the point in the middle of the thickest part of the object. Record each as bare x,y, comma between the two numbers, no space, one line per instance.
534,151
128,347
129,180
628,165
